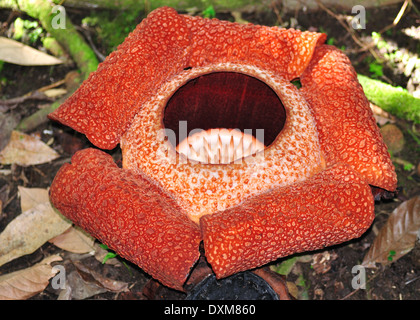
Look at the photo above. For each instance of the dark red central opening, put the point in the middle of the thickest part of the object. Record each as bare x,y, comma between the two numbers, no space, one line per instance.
226,100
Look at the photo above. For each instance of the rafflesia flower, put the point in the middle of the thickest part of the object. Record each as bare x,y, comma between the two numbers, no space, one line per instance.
295,177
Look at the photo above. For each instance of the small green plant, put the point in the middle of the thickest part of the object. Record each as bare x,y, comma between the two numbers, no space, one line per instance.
109,255
408,166
331,41
209,12
322,30
304,287
27,29
391,255
376,69
297,83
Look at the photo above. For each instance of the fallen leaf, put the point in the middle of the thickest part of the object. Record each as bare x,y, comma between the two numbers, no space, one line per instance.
78,289
397,237
107,283
30,197
26,150
85,282
74,240
285,266
381,116
16,52
23,284
32,228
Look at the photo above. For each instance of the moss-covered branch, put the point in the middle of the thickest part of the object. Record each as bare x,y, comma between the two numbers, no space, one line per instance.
68,37
396,101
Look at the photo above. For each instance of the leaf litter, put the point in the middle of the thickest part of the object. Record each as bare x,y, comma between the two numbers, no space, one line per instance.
397,237
33,227
26,150
23,284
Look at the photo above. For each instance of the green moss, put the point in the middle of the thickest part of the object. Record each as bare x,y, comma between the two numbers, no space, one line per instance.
394,100
68,37
53,46
113,28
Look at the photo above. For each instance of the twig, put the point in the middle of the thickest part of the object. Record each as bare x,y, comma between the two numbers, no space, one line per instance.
52,85
40,117
398,17
86,33
277,13
404,6
363,46
12,103
345,26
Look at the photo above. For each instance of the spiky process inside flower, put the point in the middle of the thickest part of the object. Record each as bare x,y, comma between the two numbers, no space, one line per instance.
219,146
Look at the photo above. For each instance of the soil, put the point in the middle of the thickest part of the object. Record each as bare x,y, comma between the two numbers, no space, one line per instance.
322,275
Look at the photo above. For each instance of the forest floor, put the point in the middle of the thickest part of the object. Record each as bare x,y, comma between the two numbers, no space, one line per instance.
325,274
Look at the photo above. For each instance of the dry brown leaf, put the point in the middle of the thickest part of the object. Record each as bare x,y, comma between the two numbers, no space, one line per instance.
397,237
100,280
30,197
78,288
381,116
17,53
74,240
23,284
32,228
85,282
26,150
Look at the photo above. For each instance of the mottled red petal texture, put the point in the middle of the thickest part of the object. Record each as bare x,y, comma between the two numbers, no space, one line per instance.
333,206
286,52
129,213
107,101
347,130
162,45
138,219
